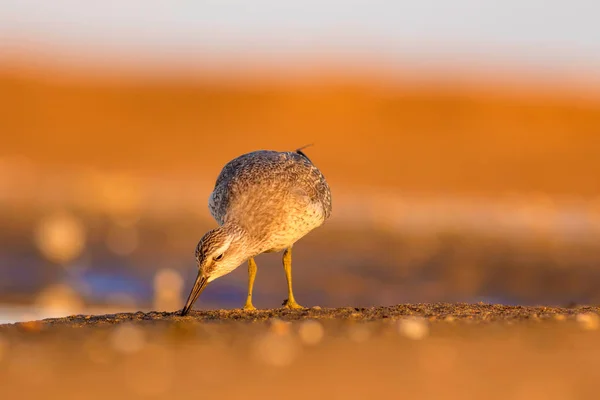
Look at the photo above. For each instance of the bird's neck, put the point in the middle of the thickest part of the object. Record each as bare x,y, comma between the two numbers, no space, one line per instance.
248,245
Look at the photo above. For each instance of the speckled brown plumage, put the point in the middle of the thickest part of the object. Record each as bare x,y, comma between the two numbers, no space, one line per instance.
277,197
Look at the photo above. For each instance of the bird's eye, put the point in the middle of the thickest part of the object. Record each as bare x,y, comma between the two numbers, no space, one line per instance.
218,258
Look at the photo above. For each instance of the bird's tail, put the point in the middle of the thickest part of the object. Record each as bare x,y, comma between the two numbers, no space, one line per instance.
299,151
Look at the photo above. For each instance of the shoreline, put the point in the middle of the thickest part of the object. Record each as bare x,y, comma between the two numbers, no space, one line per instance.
432,312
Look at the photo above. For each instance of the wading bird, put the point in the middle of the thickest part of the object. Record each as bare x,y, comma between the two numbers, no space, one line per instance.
263,202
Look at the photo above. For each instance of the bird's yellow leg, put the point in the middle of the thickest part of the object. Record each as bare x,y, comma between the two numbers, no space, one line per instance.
251,275
287,266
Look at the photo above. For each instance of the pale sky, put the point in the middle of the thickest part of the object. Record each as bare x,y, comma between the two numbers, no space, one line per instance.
529,31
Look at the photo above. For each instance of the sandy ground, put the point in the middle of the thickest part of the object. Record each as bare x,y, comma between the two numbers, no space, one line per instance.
408,351
476,313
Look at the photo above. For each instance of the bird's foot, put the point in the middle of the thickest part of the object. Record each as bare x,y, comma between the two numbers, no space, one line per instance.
292,305
249,307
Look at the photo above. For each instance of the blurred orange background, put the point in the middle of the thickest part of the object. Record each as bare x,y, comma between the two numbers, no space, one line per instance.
476,137
451,181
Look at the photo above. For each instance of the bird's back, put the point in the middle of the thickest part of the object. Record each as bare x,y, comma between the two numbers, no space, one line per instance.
271,192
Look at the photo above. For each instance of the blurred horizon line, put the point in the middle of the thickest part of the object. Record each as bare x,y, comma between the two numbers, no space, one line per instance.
488,75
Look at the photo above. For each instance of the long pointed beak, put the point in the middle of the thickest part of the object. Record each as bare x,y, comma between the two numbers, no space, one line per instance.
199,286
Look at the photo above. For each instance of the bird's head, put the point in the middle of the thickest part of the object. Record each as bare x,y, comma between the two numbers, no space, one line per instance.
218,253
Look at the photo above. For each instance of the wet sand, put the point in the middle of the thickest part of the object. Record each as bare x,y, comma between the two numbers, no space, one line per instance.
449,351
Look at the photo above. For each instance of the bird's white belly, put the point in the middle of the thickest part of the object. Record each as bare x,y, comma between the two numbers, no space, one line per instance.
293,228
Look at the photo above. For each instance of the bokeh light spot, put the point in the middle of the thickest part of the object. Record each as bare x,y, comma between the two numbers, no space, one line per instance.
280,327
59,300
311,332
128,339
414,328
60,237
168,287
276,350
589,321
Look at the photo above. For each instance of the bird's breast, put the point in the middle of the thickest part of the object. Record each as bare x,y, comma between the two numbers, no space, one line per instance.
281,233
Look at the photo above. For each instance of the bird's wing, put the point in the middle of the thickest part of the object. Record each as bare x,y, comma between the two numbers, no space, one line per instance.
213,208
